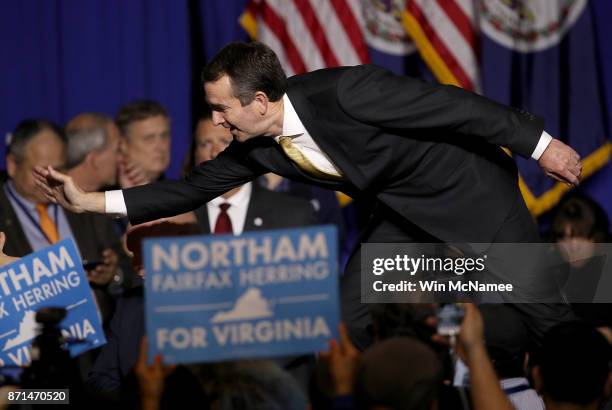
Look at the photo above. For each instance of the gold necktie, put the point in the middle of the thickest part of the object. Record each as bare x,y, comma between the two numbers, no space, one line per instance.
304,163
46,224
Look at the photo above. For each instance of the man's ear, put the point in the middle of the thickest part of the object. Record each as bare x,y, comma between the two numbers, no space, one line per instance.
11,165
536,375
261,102
91,160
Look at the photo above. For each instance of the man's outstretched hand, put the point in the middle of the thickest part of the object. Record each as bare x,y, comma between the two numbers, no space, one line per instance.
561,162
61,189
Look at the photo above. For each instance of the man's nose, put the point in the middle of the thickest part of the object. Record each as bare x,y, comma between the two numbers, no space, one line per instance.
217,118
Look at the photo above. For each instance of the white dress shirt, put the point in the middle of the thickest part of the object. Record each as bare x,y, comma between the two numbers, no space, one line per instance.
301,139
527,399
523,400
239,203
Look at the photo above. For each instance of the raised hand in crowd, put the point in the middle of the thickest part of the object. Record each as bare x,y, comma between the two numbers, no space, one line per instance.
343,362
151,377
104,273
4,258
485,387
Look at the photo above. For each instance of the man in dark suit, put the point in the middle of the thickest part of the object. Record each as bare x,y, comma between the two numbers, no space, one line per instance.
264,210
429,154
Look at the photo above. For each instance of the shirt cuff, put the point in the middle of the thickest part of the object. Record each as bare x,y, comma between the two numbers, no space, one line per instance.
115,204
545,139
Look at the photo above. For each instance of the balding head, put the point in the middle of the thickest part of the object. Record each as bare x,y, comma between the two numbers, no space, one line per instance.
93,143
85,133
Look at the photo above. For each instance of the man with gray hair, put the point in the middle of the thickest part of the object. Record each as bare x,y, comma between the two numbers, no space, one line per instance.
92,159
93,149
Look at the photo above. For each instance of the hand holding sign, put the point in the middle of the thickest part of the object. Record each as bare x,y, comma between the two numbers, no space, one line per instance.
4,258
50,277
151,378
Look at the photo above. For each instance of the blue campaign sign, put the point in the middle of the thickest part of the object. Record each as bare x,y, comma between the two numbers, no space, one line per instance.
51,277
262,294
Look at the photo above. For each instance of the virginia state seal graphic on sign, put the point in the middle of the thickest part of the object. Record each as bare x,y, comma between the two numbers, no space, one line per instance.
529,25
383,30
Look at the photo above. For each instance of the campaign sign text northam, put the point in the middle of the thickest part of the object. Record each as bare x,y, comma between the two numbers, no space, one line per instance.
51,277
261,294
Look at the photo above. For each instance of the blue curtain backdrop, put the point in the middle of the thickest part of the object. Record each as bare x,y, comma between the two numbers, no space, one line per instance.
59,58
600,185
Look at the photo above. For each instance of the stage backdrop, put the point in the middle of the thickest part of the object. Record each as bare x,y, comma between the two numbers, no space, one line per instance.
61,58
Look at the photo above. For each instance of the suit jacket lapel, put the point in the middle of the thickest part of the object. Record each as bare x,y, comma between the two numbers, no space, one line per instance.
255,210
329,143
202,217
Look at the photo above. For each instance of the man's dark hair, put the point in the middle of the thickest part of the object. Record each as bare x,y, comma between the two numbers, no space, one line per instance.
25,131
583,215
251,67
137,111
250,384
398,373
574,363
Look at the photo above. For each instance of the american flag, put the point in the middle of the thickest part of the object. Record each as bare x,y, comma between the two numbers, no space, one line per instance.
446,36
308,34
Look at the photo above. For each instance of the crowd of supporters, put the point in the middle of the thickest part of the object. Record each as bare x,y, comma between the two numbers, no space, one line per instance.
491,364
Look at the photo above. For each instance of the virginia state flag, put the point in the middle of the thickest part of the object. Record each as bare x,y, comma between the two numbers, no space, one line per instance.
544,56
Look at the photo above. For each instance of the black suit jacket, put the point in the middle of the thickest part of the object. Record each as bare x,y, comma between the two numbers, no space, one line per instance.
268,210
429,152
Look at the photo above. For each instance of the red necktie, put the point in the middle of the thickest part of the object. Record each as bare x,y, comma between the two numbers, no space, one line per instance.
224,223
